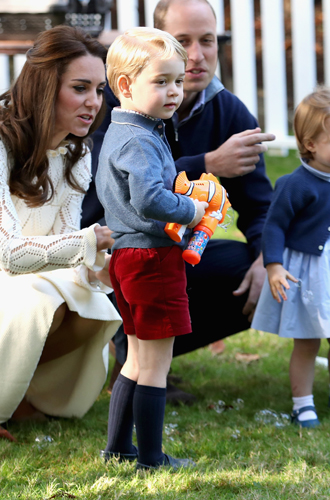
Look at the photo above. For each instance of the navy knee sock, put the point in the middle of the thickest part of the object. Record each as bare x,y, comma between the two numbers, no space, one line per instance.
149,409
120,423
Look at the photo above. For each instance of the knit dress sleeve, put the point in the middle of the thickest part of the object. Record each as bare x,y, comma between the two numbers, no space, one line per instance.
62,247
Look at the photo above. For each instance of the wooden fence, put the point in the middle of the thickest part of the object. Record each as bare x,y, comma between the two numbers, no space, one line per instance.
260,71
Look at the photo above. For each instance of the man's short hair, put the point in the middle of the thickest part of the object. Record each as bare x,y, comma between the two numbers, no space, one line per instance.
131,52
162,8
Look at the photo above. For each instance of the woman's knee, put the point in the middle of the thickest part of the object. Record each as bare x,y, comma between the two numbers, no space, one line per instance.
58,318
69,333
81,328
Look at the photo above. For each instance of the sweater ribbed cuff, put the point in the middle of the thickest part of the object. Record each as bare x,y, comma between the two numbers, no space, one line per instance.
91,256
195,213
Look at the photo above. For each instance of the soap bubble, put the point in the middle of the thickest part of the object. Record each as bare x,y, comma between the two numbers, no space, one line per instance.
238,404
220,406
170,428
236,434
270,417
228,219
43,442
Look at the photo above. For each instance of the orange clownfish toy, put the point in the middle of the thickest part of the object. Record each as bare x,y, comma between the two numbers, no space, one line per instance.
219,212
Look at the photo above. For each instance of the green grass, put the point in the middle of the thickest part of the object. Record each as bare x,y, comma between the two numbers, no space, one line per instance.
237,456
278,166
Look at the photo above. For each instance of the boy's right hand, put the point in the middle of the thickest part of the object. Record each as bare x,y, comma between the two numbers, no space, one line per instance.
201,207
277,277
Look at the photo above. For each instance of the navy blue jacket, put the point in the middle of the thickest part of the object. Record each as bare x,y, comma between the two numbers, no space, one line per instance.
299,216
222,115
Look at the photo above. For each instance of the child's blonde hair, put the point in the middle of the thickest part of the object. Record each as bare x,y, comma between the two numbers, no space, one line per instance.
310,117
131,52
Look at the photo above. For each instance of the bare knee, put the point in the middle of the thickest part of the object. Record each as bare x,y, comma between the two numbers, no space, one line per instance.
155,358
307,347
131,367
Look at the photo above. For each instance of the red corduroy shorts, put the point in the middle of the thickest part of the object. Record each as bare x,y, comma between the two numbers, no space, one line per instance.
150,288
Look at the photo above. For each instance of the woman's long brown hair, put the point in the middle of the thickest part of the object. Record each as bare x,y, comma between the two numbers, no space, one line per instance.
27,112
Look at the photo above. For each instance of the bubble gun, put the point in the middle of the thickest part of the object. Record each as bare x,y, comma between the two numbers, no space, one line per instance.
219,212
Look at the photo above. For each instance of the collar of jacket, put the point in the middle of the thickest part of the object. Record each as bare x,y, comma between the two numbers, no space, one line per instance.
213,88
123,117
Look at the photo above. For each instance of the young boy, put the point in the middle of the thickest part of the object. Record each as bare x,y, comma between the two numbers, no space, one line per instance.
145,69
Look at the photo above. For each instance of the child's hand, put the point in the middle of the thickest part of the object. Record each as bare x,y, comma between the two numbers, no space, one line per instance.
201,207
277,277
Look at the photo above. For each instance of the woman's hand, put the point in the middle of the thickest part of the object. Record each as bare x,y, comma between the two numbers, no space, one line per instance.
102,275
103,238
277,277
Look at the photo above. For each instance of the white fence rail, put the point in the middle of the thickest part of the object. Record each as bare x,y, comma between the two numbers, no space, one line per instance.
273,15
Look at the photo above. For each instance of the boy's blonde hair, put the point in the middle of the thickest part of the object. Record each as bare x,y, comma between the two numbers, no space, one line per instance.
310,117
131,52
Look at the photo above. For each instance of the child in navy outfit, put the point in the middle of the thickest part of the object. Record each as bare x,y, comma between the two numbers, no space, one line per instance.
296,247
145,69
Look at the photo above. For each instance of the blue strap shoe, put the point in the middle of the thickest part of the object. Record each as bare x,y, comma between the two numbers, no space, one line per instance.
304,423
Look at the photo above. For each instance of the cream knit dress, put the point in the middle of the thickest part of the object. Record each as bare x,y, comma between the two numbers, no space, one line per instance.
43,263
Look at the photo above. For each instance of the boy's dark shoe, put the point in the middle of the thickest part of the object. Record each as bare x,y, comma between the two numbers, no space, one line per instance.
130,457
175,396
174,463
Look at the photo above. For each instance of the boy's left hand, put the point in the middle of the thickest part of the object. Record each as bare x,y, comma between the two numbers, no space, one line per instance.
201,207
